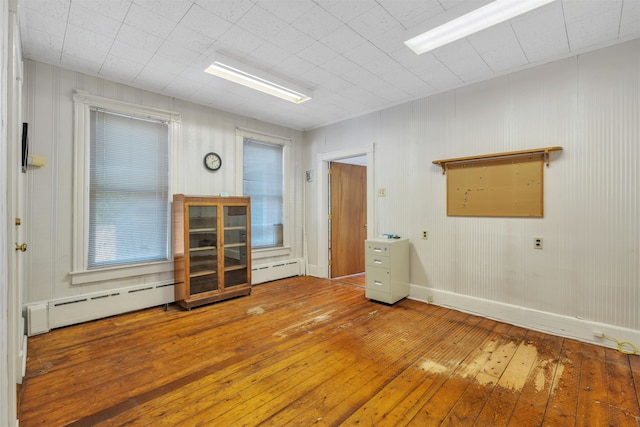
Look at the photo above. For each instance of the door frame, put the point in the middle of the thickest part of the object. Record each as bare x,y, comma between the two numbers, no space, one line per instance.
323,199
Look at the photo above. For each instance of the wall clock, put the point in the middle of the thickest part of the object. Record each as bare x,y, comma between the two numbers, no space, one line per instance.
212,161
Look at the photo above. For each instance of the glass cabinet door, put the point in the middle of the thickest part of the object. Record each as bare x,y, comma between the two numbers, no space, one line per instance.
203,249
235,246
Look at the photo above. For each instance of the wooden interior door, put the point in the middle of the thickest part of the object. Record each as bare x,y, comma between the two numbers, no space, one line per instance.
348,218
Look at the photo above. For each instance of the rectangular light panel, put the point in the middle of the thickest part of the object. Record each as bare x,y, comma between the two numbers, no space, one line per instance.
477,20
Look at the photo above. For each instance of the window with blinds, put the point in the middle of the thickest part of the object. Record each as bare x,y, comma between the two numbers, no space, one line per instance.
128,190
263,181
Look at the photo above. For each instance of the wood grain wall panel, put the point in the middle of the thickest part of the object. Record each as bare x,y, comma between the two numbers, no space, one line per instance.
589,267
48,107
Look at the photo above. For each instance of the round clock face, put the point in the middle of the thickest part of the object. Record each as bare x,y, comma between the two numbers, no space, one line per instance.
212,161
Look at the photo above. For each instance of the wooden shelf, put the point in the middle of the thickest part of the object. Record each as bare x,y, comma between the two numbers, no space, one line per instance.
443,163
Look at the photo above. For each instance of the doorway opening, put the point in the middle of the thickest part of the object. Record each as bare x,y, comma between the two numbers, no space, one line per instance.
323,162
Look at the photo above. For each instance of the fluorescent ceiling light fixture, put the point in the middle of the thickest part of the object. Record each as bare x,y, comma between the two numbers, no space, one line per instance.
477,20
237,72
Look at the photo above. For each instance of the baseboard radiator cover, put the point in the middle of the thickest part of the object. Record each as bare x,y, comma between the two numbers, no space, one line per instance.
276,270
556,324
44,316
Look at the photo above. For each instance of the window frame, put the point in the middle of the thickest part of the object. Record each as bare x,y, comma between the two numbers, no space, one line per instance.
287,206
83,102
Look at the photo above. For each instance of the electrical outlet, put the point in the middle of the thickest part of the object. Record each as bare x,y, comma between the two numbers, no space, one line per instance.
425,234
382,192
598,334
537,243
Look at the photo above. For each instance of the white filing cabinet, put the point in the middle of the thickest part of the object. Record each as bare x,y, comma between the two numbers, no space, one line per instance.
387,269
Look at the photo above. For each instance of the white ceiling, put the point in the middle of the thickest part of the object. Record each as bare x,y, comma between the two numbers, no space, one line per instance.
349,52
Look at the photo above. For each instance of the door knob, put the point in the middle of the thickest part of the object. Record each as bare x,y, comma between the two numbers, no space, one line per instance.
22,247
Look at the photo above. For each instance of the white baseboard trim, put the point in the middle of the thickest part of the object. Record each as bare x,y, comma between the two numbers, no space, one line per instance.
564,326
315,271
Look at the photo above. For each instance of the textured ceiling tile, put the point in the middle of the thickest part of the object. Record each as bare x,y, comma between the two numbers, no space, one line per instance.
291,40
176,51
140,40
35,20
346,10
261,23
499,48
316,76
589,21
238,42
205,22
83,64
122,69
56,9
411,12
149,22
374,22
463,61
342,39
287,10
317,23
130,53
630,22
83,43
87,19
317,54
115,9
339,65
542,33
350,52
364,53
229,10
172,9
42,45
267,55
428,68
160,64
190,39
292,67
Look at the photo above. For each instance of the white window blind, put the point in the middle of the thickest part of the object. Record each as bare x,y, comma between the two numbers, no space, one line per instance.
263,182
128,190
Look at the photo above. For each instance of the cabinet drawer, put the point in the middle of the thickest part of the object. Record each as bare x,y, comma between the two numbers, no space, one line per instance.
377,261
377,248
378,279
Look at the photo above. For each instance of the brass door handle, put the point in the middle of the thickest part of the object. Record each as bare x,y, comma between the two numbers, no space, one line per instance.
22,247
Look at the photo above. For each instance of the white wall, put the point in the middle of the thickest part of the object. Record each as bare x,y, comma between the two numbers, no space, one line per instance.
588,274
48,103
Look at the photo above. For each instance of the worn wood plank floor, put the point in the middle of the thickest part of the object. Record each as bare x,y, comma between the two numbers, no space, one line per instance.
306,351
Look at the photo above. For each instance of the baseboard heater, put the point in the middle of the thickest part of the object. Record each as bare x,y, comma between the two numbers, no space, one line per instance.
276,270
42,317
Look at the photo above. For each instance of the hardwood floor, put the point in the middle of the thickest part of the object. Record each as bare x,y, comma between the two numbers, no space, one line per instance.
306,351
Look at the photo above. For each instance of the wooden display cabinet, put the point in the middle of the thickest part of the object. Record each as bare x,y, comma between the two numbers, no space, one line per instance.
212,248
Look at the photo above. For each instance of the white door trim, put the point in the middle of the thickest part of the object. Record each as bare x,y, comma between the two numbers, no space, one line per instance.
323,199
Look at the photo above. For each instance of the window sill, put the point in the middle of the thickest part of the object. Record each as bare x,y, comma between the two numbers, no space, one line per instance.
270,252
111,273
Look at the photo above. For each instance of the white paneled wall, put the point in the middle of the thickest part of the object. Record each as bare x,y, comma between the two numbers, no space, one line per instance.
588,274
49,110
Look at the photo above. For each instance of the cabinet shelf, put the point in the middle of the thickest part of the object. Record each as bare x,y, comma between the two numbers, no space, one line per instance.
202,248
202,275
202,230
235,245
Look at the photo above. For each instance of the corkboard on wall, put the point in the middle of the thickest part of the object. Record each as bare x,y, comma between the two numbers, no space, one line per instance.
504,187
